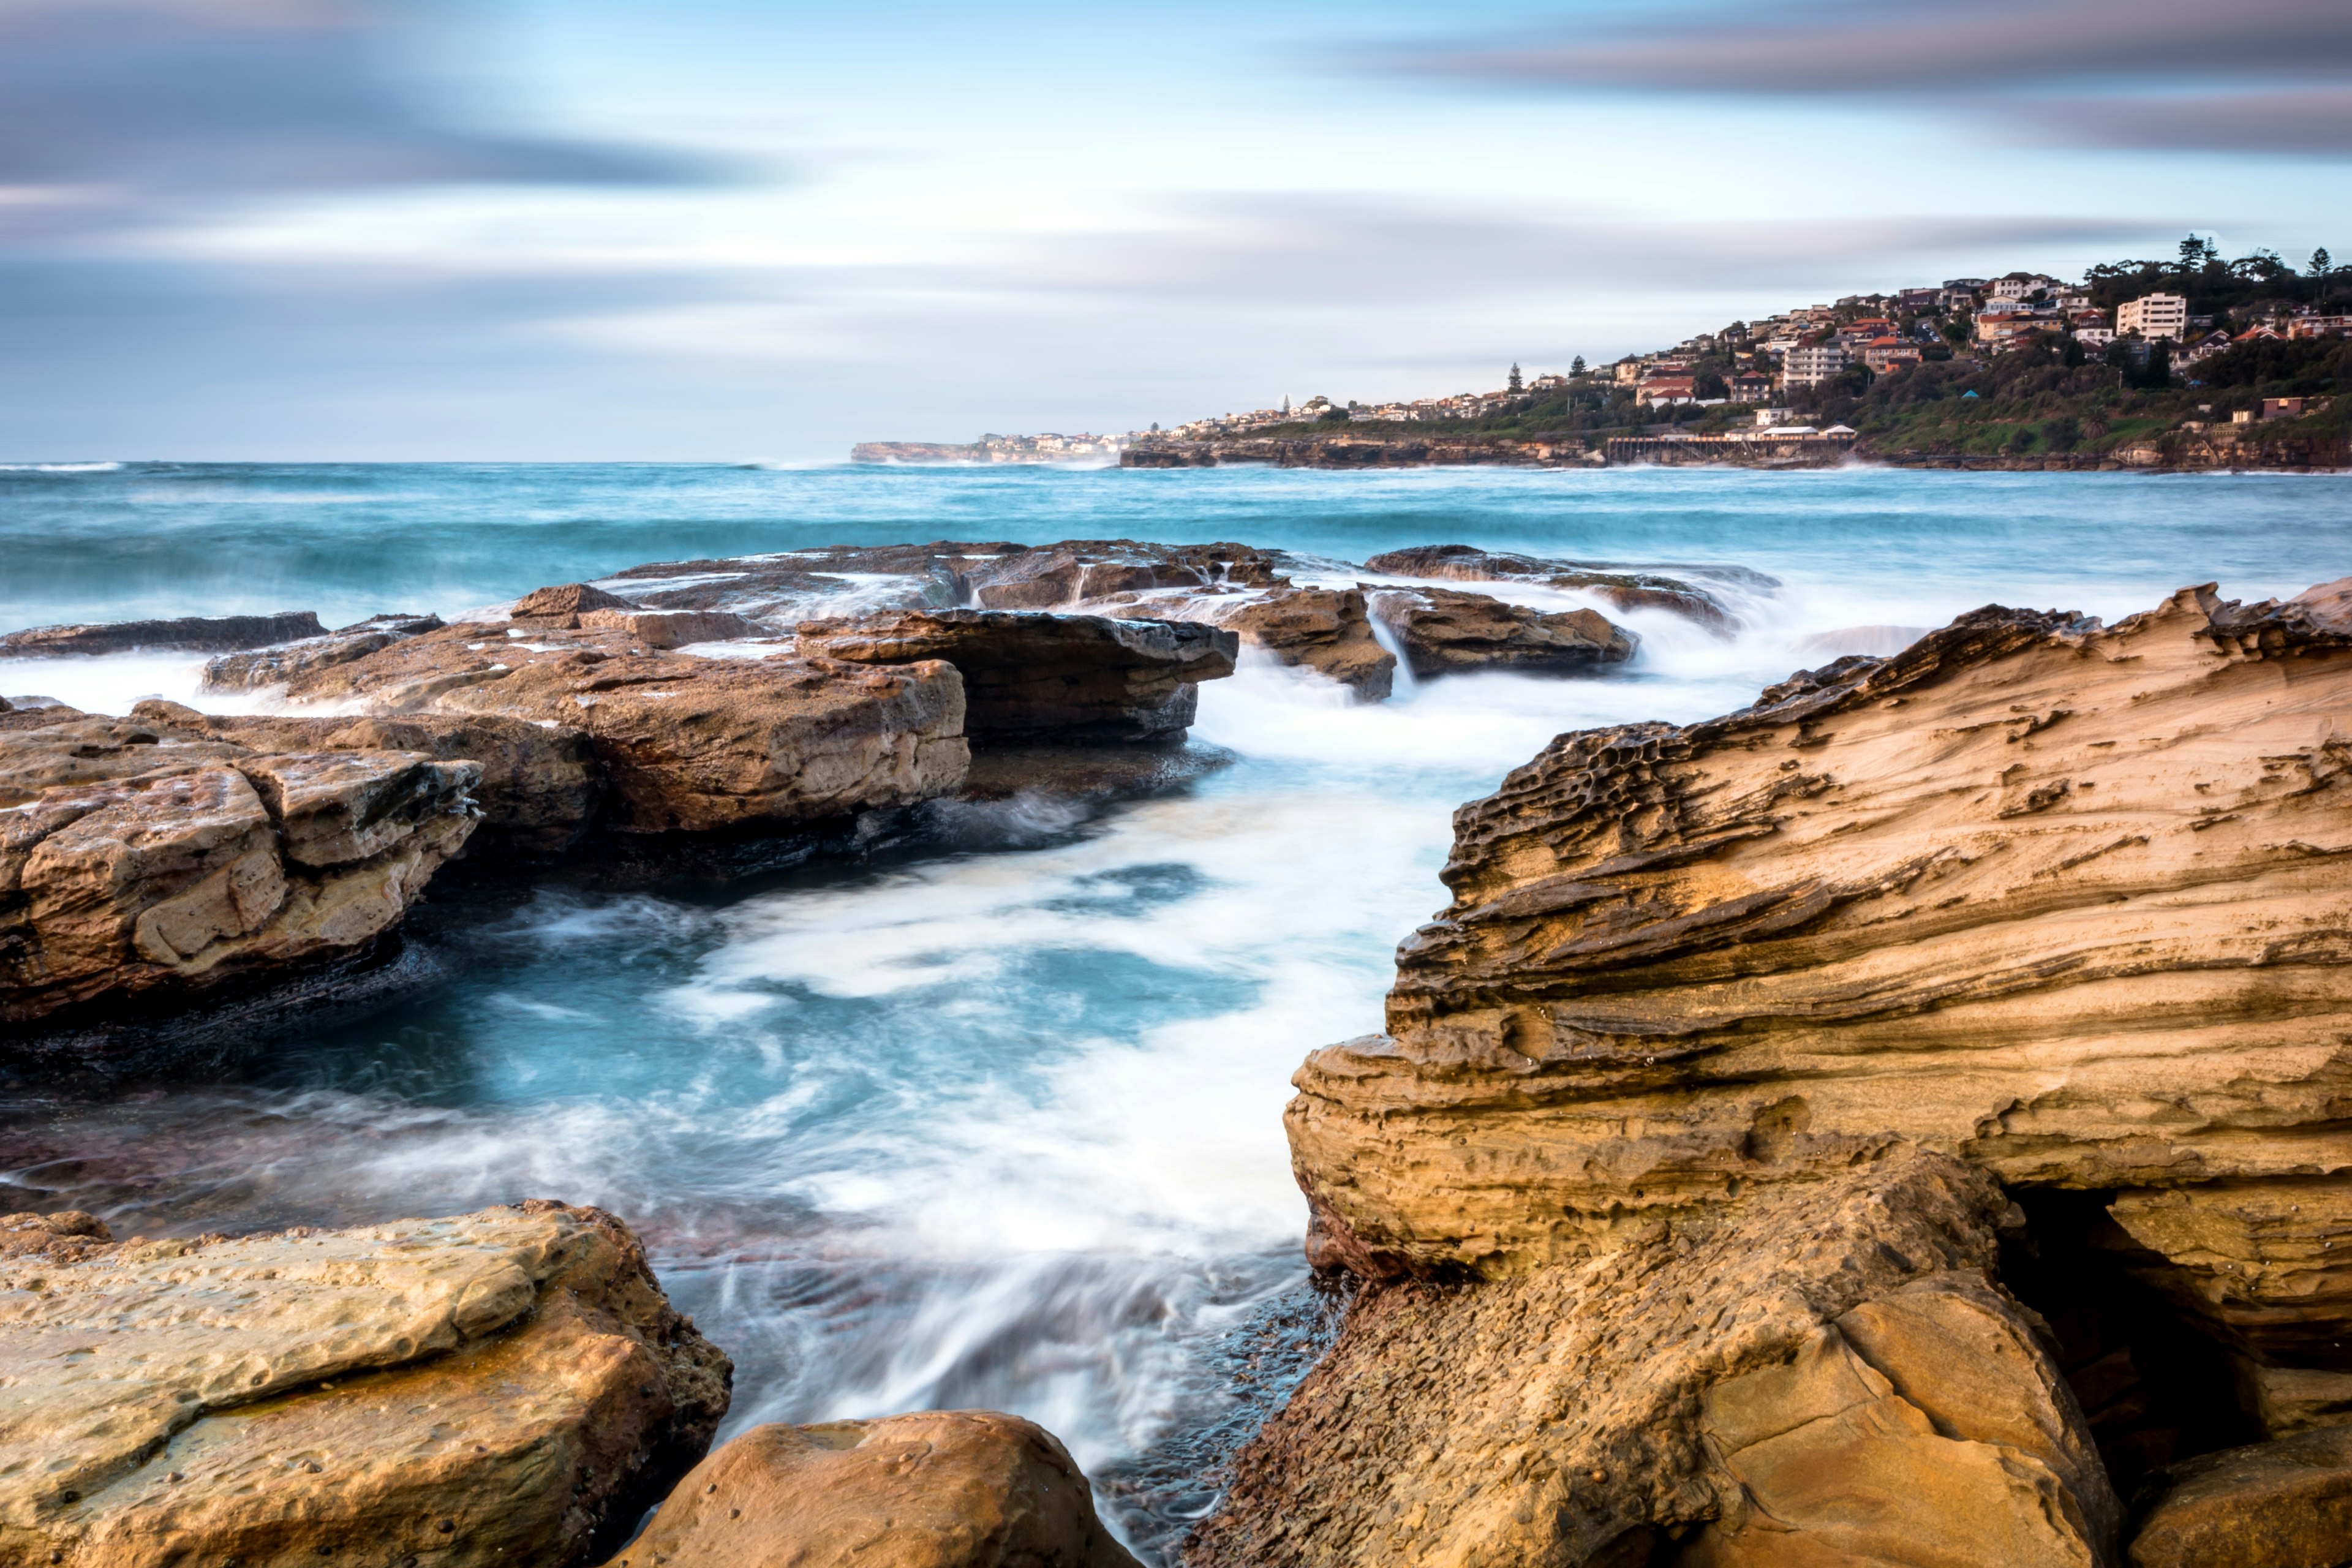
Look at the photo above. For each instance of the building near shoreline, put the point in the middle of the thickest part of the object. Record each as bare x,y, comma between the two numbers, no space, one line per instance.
1814,365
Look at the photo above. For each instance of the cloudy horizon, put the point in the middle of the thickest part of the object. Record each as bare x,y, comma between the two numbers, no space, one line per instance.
290,230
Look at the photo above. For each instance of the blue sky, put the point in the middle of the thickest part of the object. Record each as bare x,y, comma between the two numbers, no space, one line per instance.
712,229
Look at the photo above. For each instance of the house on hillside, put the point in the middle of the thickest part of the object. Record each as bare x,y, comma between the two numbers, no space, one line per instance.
1889,352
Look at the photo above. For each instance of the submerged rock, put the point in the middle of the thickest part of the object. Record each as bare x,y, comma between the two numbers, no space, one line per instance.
1827,1376
499,1388
196,633
135,860
685,743
1032,678
958,1489
1444,632
1628,590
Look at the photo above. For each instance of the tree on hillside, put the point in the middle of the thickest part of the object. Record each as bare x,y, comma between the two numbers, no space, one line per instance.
1515,383
2321,264
1576,367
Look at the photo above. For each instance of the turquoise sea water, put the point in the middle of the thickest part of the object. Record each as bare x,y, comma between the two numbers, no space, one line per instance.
995,1121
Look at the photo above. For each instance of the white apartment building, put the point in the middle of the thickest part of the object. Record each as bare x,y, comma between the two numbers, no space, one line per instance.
2018,288
2154,316
1811,367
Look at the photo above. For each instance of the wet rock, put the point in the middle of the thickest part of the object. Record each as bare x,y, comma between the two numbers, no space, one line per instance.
1079,571
2286,1504
134,861
685,743
561,607
1825,1375
276,666
197,633
2060,899
541,787
961,1488
1058,678
1327,630
1444,632
501,1388
1628,590
674,629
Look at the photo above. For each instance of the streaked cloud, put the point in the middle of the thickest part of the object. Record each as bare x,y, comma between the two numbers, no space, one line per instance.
2129,73
116,108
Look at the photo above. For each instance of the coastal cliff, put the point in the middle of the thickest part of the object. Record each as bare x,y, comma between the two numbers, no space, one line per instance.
2016,961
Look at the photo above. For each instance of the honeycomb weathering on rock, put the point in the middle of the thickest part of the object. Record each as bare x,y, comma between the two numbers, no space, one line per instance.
2068,900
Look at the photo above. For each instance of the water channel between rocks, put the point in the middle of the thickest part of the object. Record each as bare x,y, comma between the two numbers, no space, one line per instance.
993,1119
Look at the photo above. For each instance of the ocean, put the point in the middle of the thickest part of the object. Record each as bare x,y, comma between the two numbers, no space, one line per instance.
994,1119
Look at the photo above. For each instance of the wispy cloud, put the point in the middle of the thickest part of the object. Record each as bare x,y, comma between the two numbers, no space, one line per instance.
2160,74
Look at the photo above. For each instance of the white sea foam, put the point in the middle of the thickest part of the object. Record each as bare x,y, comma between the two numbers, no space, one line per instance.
59,468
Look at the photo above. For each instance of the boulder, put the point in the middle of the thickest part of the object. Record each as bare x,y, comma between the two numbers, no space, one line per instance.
1080,571
2286,1504
541,787
134,861
276,666
1827,1376
507,1386
196,633
1626,589
684,743
958,1489
560,606
1057,678
2060,899
1445,632
1327,630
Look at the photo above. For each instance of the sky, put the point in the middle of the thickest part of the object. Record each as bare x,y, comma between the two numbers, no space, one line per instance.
716,229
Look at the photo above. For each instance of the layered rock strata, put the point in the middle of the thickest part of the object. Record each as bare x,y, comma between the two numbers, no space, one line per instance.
961,1488
2060,901
1447,632
1068,680
685,743
1627,590
198,633
504,1388
136,859
1830,1376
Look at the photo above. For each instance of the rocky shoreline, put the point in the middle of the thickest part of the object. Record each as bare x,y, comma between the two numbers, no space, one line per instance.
1897,1121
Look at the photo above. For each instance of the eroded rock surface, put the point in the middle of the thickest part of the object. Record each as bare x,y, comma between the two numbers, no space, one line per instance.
1695,595
199,634
1447,632
2286,1504
1826,1376
685,743
501,1388
1063,678
958,1489
2065,899
136,859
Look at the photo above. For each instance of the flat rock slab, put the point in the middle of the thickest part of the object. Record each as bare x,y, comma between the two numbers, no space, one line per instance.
1446,632
2286,1504
1692,595
196,633
492,1388
955,1489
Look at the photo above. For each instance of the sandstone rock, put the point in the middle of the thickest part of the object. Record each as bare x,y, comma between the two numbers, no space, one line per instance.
1328,630
276,666
685,743
674,629
133,862
1449,633
1628,590
561,606
2064,899
963,1489
1824,1375
2286,1504
197,633
1078,571
500,1387
1062,678
541,787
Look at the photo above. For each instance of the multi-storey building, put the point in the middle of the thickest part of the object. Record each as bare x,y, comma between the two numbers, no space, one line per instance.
2154,316
1811,366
